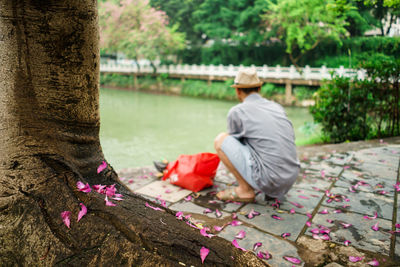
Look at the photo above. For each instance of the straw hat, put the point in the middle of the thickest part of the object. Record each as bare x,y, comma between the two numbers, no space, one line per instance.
247,78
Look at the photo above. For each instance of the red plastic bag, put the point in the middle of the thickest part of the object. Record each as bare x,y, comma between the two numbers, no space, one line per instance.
193,172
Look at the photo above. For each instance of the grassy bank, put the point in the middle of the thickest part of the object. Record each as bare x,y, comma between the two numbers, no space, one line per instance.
200,88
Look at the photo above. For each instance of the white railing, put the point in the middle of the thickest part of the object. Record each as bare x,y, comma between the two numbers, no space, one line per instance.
264,72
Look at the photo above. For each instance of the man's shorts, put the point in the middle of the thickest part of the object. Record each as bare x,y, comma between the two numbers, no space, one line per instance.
239,155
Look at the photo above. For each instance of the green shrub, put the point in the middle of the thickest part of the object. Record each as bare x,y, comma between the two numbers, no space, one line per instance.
355,110
270,89
304,92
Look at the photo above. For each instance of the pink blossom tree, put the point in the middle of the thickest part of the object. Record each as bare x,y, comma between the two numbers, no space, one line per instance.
138,30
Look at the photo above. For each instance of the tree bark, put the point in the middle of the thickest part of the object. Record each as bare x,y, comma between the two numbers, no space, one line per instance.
49,140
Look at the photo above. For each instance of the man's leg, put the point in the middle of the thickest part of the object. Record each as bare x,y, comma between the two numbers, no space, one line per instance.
244,190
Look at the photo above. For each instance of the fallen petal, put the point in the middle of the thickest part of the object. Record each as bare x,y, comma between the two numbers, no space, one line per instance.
188,198
304,197
314,231
234,215
203,232
397,225
292,259
309,215
329,220
241,234
277,217
207,211
257,245
325,237
308,223
82,212
218,213
355,259
296,204
347,242
203,253
65,217
110,190
374,262
346,225
252,214
101,167
109,203
151,207
284,235
325,211
235,243
315,236
235,223
264,255
375,227
292,211
83,187
218,228
179,215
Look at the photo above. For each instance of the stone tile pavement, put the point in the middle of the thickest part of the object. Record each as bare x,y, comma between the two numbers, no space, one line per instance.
327,216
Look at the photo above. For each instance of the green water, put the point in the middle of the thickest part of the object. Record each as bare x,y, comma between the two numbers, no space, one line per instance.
137,128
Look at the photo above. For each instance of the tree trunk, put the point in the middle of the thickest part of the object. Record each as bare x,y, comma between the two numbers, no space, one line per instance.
49,140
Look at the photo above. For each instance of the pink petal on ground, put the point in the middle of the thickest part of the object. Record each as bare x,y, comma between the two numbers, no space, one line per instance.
207,210
292,211
252,214
264,255
371,218
346,167
316,188
347,242
337,211
117,198
110,190
325,237
188,198
374,262
218,228
375,227
203,232
277,217
382,192
234,215
109,203
314,231
355,259
168,191
179,215
308,223
257,245
151,207
188,216
82,212
118,195
346,225
203,253
296,204
303,197
351,189
235,243
65,217
397,225
315,236
130,181
309,215
325,211
99,188
241,234
83,187
284,235
101,167
322,173
218,213
292,259
235,223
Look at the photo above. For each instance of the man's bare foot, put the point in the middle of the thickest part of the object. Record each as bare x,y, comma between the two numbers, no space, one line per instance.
239,193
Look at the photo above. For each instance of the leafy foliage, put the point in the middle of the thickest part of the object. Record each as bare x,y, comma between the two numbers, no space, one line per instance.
302,25
136,29
354,109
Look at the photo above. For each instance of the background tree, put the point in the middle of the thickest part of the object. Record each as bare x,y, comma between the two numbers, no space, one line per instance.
49,140
238,20
384,11
302,25
138,30
180,13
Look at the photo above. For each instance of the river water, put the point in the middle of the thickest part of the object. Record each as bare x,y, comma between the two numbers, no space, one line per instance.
137,128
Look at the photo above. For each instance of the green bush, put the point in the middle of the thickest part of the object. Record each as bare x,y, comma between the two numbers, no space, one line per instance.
361,109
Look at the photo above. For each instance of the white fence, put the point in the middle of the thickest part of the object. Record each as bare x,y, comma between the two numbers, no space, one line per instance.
264,72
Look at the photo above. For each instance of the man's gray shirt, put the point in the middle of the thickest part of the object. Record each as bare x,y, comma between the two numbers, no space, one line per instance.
263,126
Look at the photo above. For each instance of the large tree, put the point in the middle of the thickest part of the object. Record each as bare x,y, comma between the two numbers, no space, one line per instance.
49,140
302,25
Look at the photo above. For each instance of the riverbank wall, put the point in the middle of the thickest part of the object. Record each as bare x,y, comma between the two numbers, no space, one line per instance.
302,95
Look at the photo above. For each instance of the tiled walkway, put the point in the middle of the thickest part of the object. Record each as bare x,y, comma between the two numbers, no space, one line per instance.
323,218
